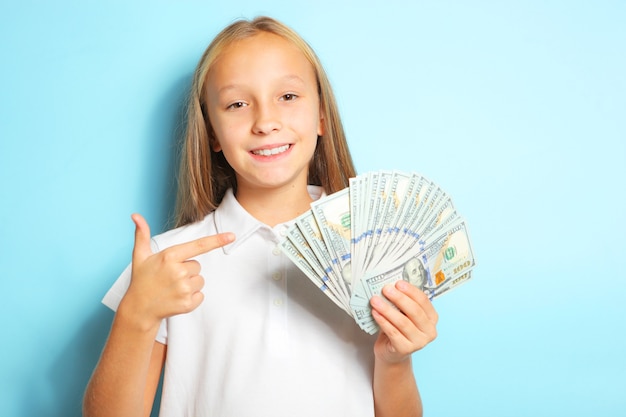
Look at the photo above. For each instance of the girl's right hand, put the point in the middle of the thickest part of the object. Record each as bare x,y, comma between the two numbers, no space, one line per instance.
166,283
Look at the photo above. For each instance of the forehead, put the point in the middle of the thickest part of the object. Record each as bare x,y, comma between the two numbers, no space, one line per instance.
260,57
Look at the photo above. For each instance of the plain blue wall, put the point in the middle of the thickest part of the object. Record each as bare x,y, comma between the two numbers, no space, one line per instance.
518,109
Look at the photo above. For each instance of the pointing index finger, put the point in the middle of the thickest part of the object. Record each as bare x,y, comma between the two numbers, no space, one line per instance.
197,247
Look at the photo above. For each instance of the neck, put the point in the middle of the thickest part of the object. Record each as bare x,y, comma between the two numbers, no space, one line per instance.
275,206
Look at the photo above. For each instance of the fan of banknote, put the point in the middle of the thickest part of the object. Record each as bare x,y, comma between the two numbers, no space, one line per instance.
385,227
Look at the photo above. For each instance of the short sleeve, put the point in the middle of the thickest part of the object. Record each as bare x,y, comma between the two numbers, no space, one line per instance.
114,296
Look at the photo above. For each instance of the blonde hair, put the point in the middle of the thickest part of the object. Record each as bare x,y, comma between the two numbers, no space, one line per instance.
205,175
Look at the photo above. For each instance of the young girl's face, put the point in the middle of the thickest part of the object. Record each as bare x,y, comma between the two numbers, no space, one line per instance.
264,108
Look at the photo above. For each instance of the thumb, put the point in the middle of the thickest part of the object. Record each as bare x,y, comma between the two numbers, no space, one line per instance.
142,249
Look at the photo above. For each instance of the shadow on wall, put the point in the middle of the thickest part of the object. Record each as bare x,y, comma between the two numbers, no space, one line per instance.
58,391
163,143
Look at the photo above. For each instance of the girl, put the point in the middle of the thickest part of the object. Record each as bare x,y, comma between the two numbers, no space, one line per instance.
251,336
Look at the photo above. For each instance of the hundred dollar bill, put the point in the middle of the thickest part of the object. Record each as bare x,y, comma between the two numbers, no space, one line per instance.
386,226
447,257
333,219
377,214
415,214
405,197
419,190
439,291
424,271
312,234
363,221
303,264
398,186
441,215
358,208
323,271
361,309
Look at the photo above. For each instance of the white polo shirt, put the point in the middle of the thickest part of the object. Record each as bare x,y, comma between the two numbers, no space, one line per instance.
265,341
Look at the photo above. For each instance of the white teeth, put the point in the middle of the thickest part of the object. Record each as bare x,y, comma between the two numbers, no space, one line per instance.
274,151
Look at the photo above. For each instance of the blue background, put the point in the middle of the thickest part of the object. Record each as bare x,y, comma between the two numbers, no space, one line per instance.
517,108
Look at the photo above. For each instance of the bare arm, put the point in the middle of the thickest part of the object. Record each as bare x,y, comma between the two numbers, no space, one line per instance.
404,330
162,285
125,381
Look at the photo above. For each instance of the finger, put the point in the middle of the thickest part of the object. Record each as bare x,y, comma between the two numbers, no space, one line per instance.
190,301
409,307
188,250
142,249
196,283
195,296
196,299
420,297
399,342
399,324
192,267
406,333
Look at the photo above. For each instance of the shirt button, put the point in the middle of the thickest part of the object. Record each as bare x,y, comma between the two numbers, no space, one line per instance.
276,276
283,231
278,302
276,250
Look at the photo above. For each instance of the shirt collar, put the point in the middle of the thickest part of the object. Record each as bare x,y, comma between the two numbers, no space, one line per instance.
230,216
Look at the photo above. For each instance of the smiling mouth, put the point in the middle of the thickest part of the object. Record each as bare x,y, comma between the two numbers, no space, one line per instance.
272,151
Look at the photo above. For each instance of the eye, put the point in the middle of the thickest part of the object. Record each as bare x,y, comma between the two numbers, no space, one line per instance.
236,105
288,97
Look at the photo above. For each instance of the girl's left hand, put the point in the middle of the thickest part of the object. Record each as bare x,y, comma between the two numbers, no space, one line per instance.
407,328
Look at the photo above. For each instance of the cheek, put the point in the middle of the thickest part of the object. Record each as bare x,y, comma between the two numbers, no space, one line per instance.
224,135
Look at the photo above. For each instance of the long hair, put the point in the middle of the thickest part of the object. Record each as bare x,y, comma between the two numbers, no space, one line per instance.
205,175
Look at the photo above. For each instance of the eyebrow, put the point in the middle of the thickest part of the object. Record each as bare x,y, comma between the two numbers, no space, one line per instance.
286,78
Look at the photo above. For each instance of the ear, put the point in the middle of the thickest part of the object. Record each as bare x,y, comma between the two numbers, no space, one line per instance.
320,125
213,142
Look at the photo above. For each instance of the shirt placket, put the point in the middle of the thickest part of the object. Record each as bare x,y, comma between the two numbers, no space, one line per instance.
278,294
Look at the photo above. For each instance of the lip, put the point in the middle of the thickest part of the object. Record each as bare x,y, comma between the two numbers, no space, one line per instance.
271,151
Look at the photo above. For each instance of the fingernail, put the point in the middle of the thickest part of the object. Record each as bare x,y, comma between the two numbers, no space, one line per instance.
376,301
402,285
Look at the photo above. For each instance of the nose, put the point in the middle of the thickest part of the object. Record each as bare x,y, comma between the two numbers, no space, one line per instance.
267,119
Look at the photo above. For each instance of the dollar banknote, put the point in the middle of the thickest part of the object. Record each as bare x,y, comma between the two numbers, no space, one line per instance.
385,227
